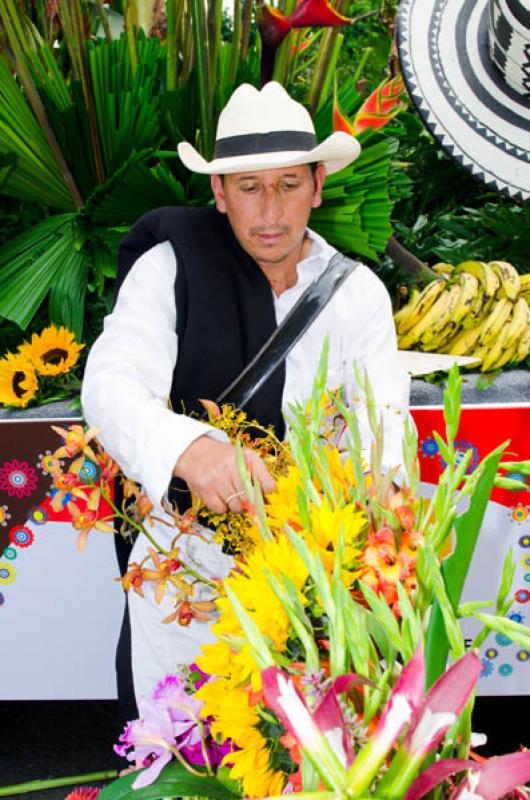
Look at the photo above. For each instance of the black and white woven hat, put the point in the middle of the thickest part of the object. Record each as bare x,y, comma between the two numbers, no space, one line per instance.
466,64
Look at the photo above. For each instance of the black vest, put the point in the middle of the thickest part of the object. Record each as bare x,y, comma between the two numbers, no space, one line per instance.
224,303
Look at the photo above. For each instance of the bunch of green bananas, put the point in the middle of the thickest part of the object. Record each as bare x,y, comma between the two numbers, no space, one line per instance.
474,309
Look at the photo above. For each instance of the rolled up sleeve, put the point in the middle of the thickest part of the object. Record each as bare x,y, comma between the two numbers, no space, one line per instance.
128,377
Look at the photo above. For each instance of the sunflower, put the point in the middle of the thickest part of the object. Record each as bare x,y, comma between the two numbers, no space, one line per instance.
18,381
53,351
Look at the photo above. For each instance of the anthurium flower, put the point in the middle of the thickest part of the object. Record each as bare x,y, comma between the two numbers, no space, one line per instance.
434,775
494,778
403,703
437,713
273,26
320,737
316,13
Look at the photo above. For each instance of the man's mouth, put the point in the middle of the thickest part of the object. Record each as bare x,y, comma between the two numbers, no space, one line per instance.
269,238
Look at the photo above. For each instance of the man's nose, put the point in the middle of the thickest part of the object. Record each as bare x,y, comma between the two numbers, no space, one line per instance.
271,205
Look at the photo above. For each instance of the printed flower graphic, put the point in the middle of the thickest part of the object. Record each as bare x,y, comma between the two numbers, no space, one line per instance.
18,479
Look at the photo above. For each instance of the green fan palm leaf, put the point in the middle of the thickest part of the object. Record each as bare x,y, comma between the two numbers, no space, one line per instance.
31,263
35,176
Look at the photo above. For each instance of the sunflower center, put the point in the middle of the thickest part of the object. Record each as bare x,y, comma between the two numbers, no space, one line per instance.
18,379
54,356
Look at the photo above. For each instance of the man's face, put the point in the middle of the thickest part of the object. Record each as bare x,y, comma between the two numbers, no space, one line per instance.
269,209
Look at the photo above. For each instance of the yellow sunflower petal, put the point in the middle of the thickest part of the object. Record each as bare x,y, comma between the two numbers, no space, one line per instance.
53,351
18,381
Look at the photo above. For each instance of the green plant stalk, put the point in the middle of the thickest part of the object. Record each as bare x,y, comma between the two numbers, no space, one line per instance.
245,36
173,14
11,24
283,53
104,20
322,66
200,44
131,23
52,783
215,18
236,41
455,568
331,68
72,18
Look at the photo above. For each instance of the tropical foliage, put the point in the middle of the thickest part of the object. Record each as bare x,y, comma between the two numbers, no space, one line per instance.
94,99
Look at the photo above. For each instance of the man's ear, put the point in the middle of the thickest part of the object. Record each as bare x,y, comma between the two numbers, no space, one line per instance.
319,177
216,183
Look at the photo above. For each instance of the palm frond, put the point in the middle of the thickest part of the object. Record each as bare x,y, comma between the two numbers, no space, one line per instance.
126,103
68,291
31,263
36,176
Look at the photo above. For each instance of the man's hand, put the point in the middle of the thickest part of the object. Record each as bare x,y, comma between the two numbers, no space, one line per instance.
210,470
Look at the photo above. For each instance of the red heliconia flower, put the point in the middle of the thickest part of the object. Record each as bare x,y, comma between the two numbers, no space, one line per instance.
273,26
381,106
316,13
83,793
376,111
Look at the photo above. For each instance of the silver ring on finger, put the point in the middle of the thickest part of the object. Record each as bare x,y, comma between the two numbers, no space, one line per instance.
233,496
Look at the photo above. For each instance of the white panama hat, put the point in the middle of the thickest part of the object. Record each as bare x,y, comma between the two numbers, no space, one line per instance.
466,64
267,129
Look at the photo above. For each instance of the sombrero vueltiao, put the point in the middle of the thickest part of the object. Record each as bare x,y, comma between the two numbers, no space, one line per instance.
466,64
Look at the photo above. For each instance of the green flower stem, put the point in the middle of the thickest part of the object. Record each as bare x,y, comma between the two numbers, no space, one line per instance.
73,780
142,530
201,58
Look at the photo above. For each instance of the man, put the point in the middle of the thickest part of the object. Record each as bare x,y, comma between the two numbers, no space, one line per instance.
200,290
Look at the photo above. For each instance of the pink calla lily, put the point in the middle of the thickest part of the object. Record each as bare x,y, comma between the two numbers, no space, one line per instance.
316,13
273,26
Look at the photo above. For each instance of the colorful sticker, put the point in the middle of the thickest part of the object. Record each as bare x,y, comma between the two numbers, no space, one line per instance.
21,536
4,516
7,572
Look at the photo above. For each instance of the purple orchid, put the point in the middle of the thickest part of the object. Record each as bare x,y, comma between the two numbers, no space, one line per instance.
169,725
148,741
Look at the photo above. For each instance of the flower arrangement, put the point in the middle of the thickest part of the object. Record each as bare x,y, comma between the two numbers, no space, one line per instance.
328,677
41,369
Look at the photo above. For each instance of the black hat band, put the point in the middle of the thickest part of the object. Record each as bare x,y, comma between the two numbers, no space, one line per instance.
250,144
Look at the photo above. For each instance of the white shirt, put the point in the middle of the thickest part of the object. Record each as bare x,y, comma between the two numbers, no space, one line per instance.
129,370
128,379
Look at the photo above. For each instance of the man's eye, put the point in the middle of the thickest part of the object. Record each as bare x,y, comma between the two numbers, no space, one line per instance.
248,189
291,186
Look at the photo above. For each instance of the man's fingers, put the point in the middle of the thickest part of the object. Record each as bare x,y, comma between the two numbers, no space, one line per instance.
260,473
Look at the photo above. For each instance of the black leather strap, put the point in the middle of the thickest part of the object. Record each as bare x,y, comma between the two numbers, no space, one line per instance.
275,350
